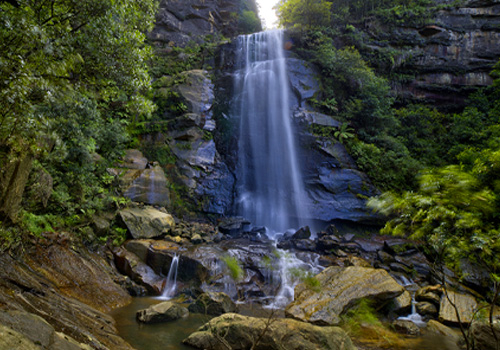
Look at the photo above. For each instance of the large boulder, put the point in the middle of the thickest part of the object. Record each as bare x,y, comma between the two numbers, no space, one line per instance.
147,222
213,303
340,289
453,303
241,332
162,312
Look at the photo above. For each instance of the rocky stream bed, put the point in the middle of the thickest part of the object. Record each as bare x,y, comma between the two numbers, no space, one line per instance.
56,294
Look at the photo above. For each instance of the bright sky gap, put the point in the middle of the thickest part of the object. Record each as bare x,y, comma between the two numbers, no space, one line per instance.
267,14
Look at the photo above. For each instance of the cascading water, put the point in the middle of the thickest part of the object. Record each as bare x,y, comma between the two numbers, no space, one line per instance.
270,185
171,284
289,266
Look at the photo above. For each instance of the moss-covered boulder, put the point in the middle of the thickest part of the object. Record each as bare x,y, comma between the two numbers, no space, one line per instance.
340,289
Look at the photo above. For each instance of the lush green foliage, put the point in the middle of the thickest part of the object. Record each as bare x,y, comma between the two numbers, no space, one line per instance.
305,14
74,75
454,211
248,22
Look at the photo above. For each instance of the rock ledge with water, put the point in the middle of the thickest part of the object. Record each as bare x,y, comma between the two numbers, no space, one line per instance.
341,288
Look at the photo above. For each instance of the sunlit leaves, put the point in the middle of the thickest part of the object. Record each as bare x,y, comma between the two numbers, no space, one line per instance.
305,14
454,210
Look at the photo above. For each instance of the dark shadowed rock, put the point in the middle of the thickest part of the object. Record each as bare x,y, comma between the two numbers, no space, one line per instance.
162,312
430,293
302,233
484,339
402,304
303,79
242,332
233,226
181,22
426,308
340,289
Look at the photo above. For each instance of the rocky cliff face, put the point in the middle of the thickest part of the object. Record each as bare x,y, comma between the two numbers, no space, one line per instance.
336,189
180,21
449,57
55,297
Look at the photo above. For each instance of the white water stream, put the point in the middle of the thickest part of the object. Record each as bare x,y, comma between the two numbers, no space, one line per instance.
171,284
270,188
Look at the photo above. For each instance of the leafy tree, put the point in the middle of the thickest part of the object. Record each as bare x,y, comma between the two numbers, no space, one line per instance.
249,22
69,70
455,213
305,14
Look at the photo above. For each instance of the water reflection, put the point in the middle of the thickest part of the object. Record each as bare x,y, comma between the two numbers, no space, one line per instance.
161,336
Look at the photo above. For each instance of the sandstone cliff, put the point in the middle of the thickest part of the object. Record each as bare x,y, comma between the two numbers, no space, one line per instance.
448,57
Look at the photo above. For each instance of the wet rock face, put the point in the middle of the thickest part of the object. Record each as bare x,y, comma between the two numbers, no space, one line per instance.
141,181
341,288
242,332
200,167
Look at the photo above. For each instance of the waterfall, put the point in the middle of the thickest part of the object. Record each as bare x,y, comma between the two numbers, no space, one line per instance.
414,317
171,284
270,188
287,273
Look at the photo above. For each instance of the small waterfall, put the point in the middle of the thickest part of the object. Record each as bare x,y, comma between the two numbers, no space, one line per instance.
270,189
171,284
414,317
288,274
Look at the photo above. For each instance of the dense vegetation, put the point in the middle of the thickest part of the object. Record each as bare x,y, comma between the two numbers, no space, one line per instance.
74,78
